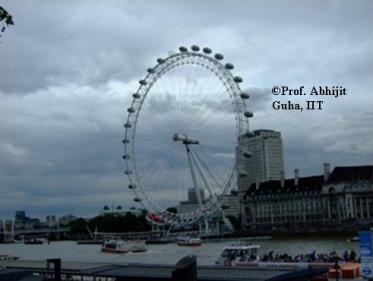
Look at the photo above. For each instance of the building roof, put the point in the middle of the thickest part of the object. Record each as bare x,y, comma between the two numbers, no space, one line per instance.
350,174
313,183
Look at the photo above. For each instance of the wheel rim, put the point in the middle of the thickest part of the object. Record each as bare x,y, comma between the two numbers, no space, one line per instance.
139,114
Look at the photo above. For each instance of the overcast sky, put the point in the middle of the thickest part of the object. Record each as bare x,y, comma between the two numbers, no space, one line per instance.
68,69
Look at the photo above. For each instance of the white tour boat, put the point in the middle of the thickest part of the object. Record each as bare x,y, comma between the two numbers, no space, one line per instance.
247,256
189,242
122,247
232,255
136,246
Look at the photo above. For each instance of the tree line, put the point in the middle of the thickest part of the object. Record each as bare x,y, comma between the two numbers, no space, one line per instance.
110,223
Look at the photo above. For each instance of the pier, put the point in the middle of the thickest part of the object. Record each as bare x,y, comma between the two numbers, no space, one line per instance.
184,269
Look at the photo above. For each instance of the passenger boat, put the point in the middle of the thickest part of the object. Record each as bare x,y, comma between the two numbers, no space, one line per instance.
122,247
234,254
33,241
114,246
354,239
246,256
137,246
189,242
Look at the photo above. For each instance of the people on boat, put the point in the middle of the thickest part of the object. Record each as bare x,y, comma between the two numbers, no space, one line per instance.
346,256
352,255
331,257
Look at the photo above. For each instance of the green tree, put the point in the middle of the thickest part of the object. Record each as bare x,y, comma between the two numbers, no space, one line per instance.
172,210
78,226
115,223
6,19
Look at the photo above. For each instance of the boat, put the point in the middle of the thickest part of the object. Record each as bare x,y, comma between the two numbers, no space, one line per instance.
354,239
33,241
136,246
246,256
234,254
114,246
189,242
122,247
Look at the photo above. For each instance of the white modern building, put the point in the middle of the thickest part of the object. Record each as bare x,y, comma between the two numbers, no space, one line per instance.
266,162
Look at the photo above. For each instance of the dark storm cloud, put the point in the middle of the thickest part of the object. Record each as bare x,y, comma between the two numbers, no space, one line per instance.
68,68
66,42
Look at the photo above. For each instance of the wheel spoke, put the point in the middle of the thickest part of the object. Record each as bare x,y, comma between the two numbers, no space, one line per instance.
194,95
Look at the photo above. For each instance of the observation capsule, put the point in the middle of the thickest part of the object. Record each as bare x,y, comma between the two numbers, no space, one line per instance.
249,134
131,186
125,141
137,199
219,56
160,60
245,96
142,82
183,49
229,66
128,172
136,96
237,79
150,70
126,156
195,48
242,174
248,114
207,50
130,110
127,125
247,154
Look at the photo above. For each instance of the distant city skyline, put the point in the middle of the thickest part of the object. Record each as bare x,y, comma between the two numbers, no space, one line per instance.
67,76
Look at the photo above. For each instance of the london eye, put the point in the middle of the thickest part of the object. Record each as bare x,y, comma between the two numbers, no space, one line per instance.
182,135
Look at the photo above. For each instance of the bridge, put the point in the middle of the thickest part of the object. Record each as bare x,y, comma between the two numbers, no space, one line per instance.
10,234
39,231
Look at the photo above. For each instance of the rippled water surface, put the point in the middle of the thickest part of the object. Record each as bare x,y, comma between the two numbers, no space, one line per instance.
171,253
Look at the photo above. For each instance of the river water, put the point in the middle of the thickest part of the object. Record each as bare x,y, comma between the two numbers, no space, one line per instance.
171,253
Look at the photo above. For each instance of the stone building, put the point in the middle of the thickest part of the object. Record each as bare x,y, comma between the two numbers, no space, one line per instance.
348,196
343,199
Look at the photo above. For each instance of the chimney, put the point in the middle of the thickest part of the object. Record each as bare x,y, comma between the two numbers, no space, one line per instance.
296,177
282,179
326,171
257,184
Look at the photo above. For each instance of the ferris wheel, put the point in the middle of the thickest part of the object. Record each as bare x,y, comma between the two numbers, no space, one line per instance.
182,136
